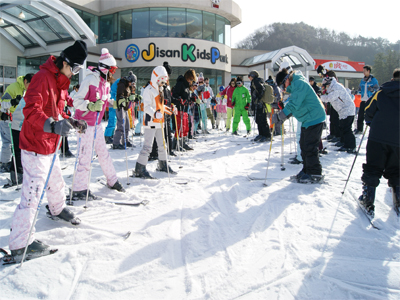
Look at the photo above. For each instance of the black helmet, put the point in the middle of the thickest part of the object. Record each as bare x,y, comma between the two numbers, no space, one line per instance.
254,74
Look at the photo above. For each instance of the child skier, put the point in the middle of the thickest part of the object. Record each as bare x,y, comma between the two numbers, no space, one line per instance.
221,109
241,99
90,104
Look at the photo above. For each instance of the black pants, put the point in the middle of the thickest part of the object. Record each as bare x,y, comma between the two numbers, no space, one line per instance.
262,123
382,159
309,142
66,146
17,151
360,118
334,126
346,133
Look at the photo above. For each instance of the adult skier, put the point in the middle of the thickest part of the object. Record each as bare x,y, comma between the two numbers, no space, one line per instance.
241,99
90,104
307,108
342,102
40,133
228,92
153,122
382,115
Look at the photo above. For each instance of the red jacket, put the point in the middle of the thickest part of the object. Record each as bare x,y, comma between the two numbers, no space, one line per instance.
228,91
44,98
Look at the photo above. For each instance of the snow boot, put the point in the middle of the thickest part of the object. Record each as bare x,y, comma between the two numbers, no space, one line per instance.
248,132
162,167
35,247
117,186
141,172
367,200
235,133
81,195
295,161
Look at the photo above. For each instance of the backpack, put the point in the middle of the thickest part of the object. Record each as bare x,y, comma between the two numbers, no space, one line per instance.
268,96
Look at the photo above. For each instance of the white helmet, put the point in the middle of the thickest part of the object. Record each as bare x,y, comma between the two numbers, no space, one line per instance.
159,76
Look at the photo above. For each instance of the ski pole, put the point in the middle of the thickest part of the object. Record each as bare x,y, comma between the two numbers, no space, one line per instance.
73,177
13,154
177,136
165,150
282,145
358,150
91,158
269,155
290,135
41,198
126,152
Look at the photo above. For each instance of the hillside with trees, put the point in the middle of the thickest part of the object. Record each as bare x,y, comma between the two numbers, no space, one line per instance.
378,52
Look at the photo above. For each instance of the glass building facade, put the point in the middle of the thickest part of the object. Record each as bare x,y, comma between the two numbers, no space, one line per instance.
158,22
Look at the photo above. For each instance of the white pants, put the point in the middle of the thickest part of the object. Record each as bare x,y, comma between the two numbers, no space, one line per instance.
36,169
149,134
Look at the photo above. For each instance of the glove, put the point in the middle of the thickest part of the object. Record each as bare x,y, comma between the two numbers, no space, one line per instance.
79,125
247,106
58,127
158,115
131,98
96,106
278,118
15,102
122,102
5,105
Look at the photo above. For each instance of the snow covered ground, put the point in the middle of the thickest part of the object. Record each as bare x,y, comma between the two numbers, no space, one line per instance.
221,236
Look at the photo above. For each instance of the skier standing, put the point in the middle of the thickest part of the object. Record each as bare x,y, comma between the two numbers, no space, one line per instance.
382,115
153,122
241,99
89,103
341,101
228,92
40,133
307,108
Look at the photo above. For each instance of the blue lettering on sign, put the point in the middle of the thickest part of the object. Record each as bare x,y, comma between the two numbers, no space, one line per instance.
214,55
132,53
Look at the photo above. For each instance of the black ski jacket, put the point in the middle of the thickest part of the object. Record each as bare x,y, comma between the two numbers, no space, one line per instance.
383,113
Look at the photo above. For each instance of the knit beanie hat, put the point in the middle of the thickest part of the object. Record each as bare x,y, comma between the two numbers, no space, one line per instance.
167,67
107,60
75,54
131,77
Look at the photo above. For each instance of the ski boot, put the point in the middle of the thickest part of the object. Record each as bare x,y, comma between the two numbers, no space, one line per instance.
65,215
35,247
297,177
118,147
162,167
81,195
117,186
235,133
367,199
306,178
141,172
109,140
257,138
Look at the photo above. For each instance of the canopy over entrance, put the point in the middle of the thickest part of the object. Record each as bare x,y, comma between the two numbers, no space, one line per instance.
38,27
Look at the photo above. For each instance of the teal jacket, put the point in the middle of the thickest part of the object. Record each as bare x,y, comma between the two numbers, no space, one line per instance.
241,97
304,103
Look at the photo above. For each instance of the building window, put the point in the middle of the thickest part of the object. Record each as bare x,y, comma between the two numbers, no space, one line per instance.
220,29
106,29
194,28
125,25
208,26
158,22
140,23
1,72
10,72
177,22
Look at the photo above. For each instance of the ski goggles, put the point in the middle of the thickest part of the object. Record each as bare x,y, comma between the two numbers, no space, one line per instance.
75,68
111,69
282,86
239,82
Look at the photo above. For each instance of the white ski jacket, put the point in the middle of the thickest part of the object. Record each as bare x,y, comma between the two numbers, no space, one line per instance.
340,99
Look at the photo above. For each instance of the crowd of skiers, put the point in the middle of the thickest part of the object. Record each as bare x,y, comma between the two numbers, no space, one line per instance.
35,121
